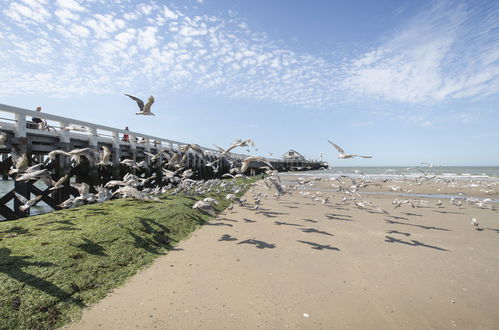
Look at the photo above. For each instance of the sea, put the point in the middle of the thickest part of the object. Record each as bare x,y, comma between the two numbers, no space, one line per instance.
449,172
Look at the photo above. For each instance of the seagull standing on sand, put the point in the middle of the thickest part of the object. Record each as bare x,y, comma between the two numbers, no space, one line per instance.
145,109
474,222
342,154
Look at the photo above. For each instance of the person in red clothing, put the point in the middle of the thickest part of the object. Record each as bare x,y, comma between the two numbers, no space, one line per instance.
126,137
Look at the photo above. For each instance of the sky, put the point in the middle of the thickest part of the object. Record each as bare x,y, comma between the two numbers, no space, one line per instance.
404,81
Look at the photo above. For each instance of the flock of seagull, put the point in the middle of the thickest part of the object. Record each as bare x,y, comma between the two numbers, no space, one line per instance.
175,177
351,188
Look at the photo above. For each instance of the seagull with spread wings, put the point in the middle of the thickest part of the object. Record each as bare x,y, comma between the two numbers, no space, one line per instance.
342,154
145,109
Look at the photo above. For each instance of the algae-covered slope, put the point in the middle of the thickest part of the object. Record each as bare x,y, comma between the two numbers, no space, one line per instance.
54,264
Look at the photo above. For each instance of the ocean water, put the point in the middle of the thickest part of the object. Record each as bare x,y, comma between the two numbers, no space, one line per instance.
451,172
39,208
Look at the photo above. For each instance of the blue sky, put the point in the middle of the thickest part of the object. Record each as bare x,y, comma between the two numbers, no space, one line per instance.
404,81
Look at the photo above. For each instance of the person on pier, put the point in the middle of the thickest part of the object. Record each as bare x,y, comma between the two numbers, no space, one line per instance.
126,137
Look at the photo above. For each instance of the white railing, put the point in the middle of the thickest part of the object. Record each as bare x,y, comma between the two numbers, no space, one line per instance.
67,128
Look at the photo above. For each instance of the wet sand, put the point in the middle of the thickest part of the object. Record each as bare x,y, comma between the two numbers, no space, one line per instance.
298,263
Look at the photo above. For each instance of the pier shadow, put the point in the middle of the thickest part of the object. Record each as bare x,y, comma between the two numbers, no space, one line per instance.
249,220
414,225
282,223
258,244
317,246
398,232
310,220
316,231
91,248
12,267
227,237
390,239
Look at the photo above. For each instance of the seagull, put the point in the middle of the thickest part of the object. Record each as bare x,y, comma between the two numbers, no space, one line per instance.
204,207
342,154
144,109
106,154
27,203
474,222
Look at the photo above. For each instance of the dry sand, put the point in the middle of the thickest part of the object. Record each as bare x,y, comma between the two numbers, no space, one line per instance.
297,263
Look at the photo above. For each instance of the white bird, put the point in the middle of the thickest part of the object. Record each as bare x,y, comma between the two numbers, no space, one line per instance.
59,183
204,207
104,157
342,154
474,222
145,109
27,203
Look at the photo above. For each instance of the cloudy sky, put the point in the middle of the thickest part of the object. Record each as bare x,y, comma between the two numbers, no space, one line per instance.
405,81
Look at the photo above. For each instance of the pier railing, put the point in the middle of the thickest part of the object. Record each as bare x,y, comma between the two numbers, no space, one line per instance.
65,128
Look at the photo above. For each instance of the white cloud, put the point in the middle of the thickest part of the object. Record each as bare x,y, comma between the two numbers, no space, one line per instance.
71,5
169,13
147,37
109,46
446,52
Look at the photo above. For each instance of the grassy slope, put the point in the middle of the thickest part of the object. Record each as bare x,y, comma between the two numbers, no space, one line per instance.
54,264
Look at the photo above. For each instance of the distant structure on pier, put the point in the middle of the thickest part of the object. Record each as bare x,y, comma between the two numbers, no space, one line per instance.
293,155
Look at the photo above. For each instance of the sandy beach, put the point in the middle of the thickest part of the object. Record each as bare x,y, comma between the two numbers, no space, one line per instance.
301,264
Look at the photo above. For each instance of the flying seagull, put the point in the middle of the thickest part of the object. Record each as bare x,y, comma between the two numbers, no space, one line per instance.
342,154
144,109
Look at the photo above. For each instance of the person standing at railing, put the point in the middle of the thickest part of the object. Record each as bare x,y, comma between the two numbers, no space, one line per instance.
126,137
37,120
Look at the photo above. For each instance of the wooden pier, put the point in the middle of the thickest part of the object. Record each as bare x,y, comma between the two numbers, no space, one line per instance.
24,137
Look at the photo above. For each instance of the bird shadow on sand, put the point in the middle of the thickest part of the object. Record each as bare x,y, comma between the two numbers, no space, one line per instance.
291,207
414,225
282,223
338,217
258,244
398,232
225,219
338,207
270,214
316,231
496,230
398,218
390,239
317,246
218,224
227,238
310,220
412,214
249,220
448,212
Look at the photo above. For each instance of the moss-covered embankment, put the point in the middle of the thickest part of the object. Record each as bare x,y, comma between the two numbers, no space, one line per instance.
54,264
